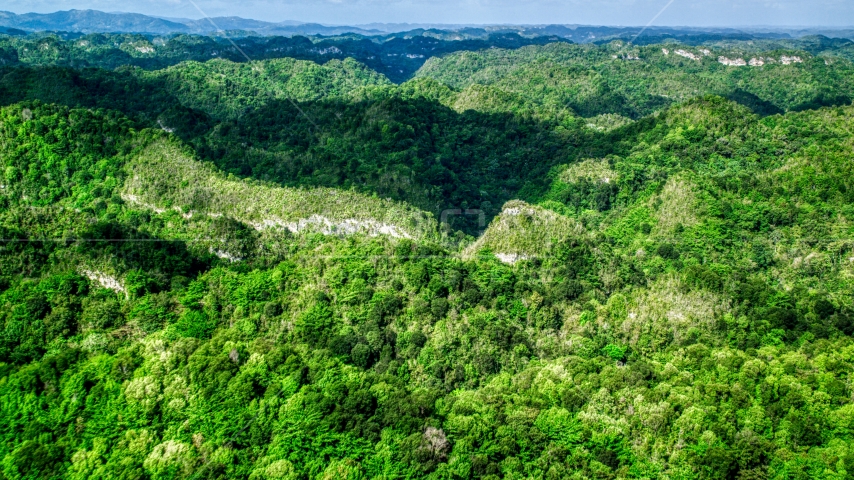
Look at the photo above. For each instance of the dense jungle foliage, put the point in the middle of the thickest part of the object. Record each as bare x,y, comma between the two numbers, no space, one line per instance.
535,263
395,56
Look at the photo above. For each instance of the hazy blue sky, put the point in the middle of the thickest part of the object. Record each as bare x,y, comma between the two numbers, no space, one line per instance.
599,12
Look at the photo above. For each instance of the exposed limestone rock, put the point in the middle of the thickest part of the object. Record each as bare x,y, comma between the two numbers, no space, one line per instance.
732,62
511,258
104,280
225,255
321,224
686,54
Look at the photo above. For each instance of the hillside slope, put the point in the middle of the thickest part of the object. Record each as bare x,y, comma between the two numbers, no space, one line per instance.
163,177
264,291
84,174
623,304
396,57
637,81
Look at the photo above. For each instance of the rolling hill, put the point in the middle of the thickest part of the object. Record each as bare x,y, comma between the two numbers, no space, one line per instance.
537,262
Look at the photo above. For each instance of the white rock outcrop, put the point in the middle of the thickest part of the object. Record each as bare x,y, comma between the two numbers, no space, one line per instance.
225,255
328,51
321,224
104,280
732,62
687,54
511,258
759,61
133,199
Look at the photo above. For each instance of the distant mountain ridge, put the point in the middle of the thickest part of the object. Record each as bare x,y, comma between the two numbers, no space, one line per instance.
93,21
90,21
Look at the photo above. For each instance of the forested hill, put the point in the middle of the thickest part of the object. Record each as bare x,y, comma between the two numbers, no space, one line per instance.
637,81
557,261
435,145
396,56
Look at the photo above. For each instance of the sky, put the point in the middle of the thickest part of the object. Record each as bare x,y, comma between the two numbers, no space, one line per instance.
720,13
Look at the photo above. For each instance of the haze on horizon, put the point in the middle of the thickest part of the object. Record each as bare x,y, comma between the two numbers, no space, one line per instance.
690,13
